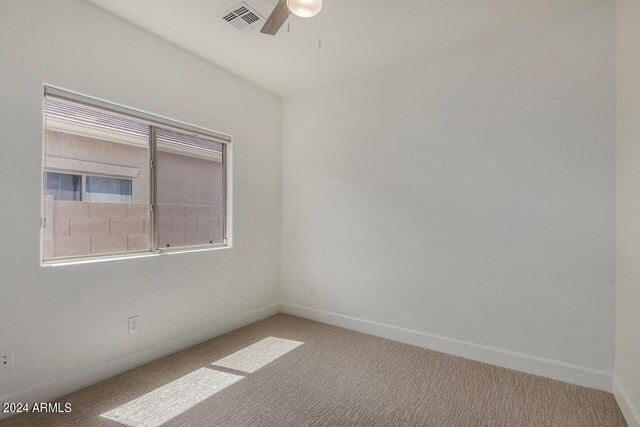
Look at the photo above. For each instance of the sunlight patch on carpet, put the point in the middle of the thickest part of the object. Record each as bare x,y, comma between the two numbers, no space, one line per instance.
257,355
164,403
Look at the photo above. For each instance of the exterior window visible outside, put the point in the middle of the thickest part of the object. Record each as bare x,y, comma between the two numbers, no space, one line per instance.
66,186
63,186
101,195
108,189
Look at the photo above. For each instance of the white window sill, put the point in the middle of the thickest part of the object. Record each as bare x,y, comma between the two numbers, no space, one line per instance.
119,257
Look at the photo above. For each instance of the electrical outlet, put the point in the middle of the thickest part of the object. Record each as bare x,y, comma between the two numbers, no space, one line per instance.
134,324
6,359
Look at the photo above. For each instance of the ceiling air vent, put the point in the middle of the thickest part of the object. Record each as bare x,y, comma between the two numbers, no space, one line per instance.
243,17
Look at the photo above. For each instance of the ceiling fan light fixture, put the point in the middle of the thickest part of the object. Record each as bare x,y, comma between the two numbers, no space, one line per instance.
305,8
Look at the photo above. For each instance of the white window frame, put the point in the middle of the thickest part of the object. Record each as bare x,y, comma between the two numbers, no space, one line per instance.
154,121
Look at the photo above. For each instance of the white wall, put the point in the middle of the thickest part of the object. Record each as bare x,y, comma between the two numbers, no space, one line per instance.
627,366
465,201
64,319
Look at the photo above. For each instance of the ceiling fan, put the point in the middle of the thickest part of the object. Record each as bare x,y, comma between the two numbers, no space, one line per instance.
280,13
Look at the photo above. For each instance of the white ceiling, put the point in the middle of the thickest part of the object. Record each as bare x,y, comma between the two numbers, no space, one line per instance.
357,35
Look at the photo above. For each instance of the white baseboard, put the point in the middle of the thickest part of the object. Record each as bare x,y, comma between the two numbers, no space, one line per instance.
630,411
66,384
549,368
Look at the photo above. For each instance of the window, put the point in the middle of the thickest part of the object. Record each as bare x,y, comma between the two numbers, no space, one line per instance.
63,186
108,189
67,186
119,181
189,190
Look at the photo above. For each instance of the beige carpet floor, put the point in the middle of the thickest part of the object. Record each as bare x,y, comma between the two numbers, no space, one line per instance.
336,377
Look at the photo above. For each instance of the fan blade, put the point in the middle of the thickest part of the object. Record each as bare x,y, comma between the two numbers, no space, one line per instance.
276,19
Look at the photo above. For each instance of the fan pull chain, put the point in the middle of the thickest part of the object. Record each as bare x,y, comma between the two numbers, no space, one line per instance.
319,33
